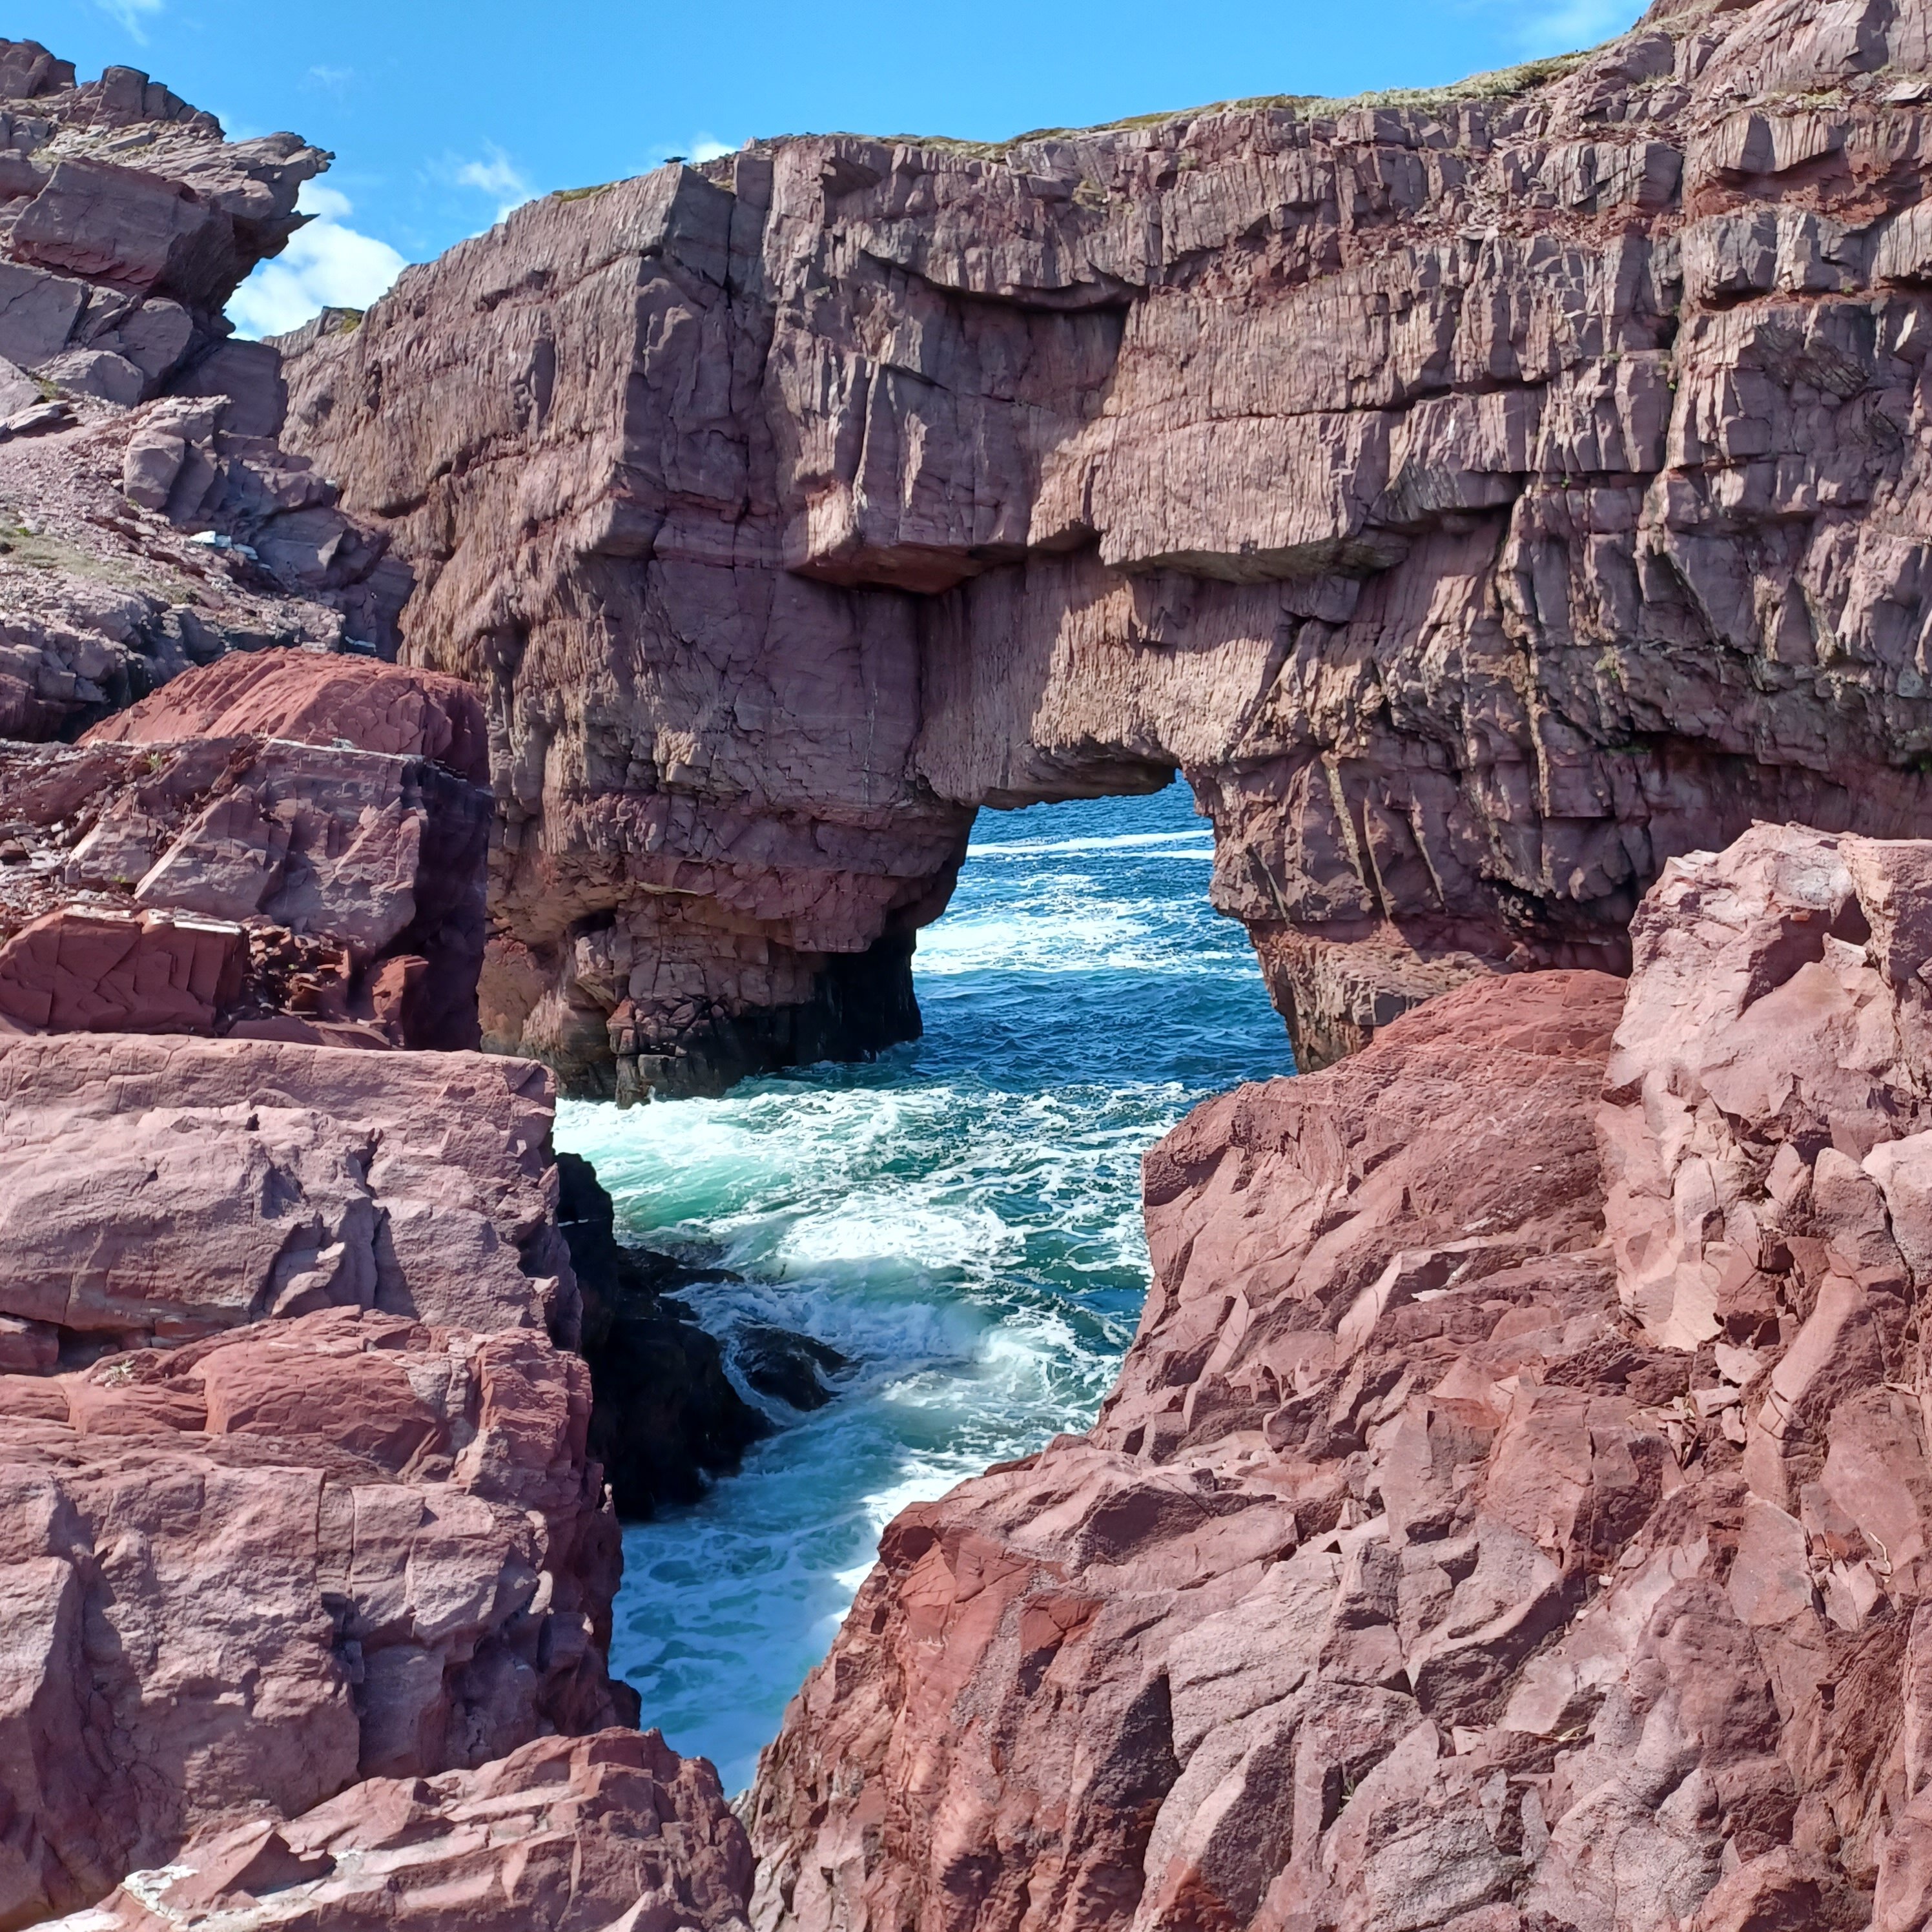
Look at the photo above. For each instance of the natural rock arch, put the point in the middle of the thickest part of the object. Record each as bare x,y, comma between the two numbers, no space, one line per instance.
1481,497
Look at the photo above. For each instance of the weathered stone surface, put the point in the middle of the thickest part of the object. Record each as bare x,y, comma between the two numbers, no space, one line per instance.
82,971
162,1190
240,1576
297,1505
1481,497
611,1830
1128,1680
99,603
274,846
1774,1025
1461,1548
312,700
126,223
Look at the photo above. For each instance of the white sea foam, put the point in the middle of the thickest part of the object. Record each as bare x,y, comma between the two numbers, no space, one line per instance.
1201,837
960,1220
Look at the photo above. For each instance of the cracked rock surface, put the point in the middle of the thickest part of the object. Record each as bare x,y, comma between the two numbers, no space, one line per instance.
299,1506
1481,497
1512,1513
280,844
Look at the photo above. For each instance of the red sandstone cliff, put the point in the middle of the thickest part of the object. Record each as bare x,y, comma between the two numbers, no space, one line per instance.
1480,496
1514,1513
306,1560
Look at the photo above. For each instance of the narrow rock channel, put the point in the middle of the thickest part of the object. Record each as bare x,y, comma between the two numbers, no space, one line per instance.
960,1220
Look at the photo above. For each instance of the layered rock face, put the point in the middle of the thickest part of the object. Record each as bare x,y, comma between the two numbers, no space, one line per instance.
126,223
284,845
306,1560
1512,1513
127,416
244,1575
1480,497
163,1190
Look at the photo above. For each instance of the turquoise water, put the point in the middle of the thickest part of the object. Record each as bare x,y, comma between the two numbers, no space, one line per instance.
961,1218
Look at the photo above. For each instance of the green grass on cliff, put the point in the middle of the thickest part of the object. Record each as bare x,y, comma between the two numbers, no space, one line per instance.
1504,84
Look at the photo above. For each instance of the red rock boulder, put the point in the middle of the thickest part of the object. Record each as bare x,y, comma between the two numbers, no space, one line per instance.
280,851
314,699
613,1830
248,1573
158,1190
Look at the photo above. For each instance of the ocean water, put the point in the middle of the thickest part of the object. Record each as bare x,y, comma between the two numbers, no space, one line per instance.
961,1218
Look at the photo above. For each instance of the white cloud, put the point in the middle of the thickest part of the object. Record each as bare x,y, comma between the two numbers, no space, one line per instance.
495,175
701,147
318,198
129,13
326,264
1569,25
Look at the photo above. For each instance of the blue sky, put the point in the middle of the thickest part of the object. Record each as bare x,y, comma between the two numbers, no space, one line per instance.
443,116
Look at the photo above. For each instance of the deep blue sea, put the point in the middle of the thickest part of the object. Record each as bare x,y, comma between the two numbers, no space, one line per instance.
961,1218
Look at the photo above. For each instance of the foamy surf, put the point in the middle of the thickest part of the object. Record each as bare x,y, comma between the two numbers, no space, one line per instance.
960,1219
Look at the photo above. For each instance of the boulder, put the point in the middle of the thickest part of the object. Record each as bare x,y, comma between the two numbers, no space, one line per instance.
666,1420
607,1830
280,852
313,699
162,1190
243,1575
165,222
80,970
126,223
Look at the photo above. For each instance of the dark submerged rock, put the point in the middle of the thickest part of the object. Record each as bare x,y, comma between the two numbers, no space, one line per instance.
663,1413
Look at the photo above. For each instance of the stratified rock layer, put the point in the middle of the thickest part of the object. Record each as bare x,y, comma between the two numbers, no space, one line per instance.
127,415
1513,1513
164,1190
126,223
1481,497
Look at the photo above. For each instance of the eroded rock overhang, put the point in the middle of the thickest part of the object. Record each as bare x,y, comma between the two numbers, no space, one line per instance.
1479,496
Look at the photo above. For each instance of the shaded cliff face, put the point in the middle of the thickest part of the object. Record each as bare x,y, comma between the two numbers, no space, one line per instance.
1479,496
